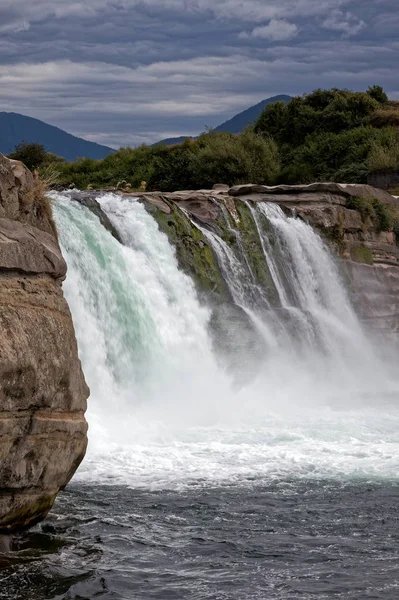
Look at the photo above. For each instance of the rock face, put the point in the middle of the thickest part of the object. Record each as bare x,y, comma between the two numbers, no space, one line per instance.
340,212
42,389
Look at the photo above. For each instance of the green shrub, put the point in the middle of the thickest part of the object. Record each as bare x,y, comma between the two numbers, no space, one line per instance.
32,155
377,92
298,173
372,209
328,111
234,159
384,151
331,157
384,217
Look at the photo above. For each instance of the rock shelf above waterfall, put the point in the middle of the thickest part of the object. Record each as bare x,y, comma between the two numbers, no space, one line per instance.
356,221
344,214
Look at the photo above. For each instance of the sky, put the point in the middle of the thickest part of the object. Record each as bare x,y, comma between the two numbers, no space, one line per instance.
126,72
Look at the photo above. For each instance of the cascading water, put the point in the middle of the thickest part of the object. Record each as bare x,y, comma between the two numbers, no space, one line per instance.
162,410
310,286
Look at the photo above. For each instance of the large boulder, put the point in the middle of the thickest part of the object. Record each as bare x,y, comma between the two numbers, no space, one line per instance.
42,388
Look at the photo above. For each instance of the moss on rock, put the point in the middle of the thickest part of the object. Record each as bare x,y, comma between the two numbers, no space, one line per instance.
252,247
362,254
193,252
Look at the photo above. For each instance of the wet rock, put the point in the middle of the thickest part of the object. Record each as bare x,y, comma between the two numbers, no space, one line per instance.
89,200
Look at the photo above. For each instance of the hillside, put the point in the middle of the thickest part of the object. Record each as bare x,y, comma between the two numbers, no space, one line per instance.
247,117
15,128
239,122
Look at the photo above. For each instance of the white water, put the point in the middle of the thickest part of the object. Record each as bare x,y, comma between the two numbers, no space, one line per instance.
162,413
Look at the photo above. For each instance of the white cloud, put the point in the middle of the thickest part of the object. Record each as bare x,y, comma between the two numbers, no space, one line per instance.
344,22
277,31
25,12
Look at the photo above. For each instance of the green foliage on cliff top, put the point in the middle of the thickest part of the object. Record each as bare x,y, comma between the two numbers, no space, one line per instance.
323,111
333,135
329,135
32,155
214,157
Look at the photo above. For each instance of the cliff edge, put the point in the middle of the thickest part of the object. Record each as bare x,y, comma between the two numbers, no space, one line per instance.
360,223
42,388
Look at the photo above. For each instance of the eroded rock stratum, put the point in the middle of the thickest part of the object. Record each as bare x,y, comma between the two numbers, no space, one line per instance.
42,388
343,214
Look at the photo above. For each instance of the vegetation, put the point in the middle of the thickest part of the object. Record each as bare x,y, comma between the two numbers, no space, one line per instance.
384,151
213,158
334,135
362,254
328,135
32,155
35,156
372,209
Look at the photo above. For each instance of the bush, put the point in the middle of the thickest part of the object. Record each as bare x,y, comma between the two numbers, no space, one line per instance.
213,158
387,116
334,157
328,111
372,209
32,155
384,218
299,173
235,159
384,151
377,92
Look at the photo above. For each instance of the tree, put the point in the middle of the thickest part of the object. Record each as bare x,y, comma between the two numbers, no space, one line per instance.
328,111
377,92
31,154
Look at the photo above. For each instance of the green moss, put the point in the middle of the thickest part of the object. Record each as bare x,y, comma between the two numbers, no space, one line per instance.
335,236
193,252
252,248
362,254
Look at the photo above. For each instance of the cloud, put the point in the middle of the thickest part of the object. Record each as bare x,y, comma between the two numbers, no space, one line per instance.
276,31
128,71
25,12
344,22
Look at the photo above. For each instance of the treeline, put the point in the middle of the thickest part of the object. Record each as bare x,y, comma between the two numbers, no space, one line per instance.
329,135
333,135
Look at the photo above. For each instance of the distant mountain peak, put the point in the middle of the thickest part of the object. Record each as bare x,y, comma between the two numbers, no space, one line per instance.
239,122
247,117
16,128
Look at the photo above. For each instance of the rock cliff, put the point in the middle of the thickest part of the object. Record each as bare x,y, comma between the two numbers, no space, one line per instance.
356,220
42,389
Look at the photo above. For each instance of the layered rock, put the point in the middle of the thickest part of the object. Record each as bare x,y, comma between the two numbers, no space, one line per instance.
371,256
42,389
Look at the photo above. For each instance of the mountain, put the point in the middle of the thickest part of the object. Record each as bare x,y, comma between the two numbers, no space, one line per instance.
15,128
238,123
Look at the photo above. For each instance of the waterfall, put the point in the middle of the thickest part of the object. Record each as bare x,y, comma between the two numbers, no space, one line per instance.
309,283
163,411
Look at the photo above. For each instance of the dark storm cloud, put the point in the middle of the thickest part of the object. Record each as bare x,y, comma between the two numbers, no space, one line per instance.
124,72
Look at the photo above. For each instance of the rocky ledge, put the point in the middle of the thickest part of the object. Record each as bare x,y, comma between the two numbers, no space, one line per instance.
42,388
356,220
